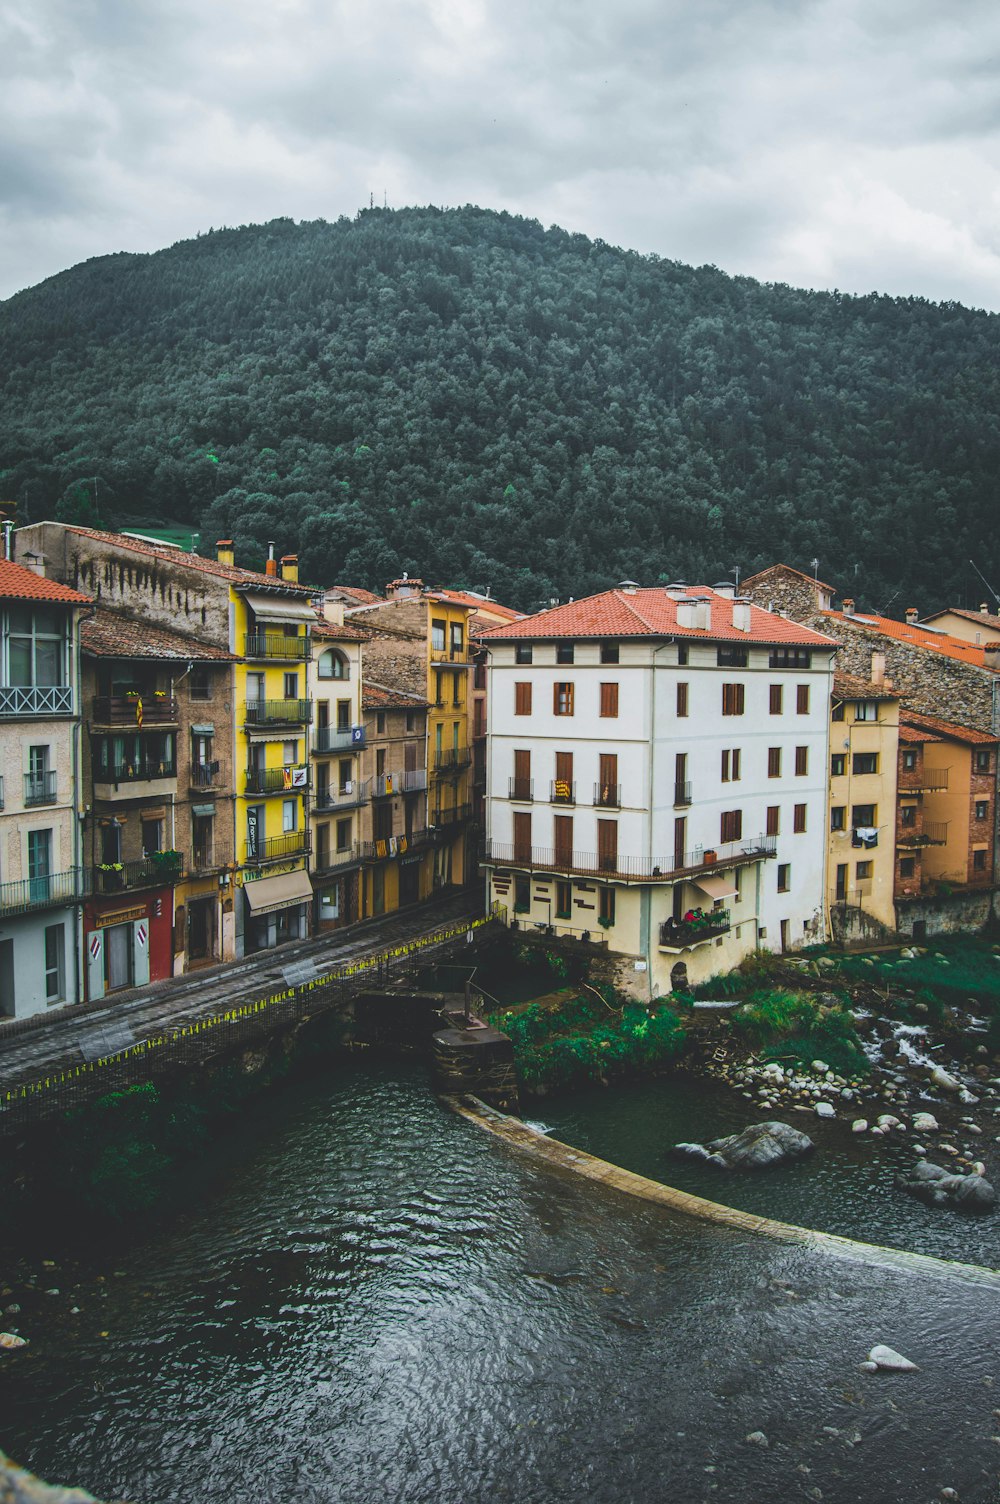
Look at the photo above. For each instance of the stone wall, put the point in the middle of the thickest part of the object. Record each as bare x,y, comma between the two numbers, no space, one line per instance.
853,926
396,655
785,591
945,915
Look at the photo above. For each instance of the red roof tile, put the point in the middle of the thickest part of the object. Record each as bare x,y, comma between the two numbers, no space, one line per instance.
113,634
184,560
977,616
356,595
345,632
851,687
653,613
381,697
919,636
788,568
20,584
932,724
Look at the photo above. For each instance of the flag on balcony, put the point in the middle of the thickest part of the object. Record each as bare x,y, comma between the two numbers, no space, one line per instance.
562,789
287,779
298,778
138,711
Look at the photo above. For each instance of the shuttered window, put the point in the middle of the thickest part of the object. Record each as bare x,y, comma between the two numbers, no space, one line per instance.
522,699
609,699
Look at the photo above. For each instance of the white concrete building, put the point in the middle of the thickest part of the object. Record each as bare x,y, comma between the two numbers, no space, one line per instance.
652,753
41,881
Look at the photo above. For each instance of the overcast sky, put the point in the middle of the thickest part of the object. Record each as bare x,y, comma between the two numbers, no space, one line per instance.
841,143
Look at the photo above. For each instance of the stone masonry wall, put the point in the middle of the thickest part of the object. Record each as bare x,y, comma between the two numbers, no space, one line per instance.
396,654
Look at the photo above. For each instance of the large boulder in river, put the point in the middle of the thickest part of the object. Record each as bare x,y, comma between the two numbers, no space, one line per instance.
939,1187
762,1146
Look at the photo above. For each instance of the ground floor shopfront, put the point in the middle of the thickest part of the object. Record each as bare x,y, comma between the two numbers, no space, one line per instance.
275,908
127,941
38,961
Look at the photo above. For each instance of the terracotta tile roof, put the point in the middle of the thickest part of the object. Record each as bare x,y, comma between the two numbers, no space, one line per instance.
978,616
811,579
184,560
20,584
653,613
481,604
937,729
911,734
345,632
381,697
356,595
113,634
919,636
852,687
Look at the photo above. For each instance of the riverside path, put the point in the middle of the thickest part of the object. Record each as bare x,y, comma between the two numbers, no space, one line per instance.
34,1049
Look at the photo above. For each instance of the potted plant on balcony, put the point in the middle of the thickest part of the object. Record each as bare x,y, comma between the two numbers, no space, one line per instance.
112,878
167,862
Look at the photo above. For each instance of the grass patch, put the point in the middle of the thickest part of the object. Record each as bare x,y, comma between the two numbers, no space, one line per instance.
966,968
800,1025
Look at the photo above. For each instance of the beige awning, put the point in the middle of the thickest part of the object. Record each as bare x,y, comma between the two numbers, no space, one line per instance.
270,893
276,608
717,887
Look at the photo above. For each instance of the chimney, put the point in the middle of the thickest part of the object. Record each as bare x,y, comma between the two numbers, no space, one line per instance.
290,568
404,589
911,616
878,669
8,528
847,606
224,552
272,564
726,588
333,612
686,613
984,609
741,615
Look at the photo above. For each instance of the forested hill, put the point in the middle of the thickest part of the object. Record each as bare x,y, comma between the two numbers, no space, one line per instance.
469,397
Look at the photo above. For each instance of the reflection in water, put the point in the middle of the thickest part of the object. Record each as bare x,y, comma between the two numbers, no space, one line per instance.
378,1301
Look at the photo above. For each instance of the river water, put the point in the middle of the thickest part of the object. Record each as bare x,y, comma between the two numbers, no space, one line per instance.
369,1299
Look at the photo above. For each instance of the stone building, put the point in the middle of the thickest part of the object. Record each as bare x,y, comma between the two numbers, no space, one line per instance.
399,843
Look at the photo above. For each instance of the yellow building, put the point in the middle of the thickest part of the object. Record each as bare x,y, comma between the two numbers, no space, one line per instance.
864,740
340,789
980,627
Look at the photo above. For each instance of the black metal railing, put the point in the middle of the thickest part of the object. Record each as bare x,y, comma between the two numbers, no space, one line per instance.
676,933
592,864
332,798
148,872
40,788
414,780
275,645
25,894
608,795
682,792
277,712
442,818
562,791
450,759
134,710
140,770
522,789
273,848
205,775
339,739
277,780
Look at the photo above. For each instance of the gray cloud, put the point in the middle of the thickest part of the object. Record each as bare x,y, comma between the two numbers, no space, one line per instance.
848,143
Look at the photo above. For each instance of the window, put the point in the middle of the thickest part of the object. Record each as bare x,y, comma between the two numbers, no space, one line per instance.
411,720
838,817
731,765
682,700
564,900
682,654
380,724
790,658
457,638
522,895
773,827
979,859
522,652
289,815
345,775
563,830
522,699
802,699
862,871
344,835
289,754
202,833
907,866
152,836
731,825
774,762
799,819
731,656
564,789
564,652
333,665
438,630
562,699
55,963
837,713
609,700
863,816
201,684
909,761
784,877
36,647
606,907
732,699
866,710
801,761
982,761
908,816
607,845
838,765
775,699
864,762
291,686
609,652
982,809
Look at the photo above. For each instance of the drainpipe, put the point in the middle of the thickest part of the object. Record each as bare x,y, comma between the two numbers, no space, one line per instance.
79,814
488,810
651,743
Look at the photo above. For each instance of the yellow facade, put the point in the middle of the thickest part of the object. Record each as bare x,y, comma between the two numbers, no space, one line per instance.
864,743
449,740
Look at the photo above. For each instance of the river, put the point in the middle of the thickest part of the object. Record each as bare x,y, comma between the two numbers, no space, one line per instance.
369,1299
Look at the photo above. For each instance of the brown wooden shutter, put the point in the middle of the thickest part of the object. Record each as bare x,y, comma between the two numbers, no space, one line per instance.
801,761
607,845
776,698
802,699
799,820
609,700
680,838
564,840
522,699
773,819
682,700
522,836
522,774
774,762
410,757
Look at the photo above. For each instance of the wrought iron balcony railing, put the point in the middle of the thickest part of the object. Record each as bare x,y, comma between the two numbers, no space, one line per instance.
414,780
277,780
153,871
205,775
339,739
630,868
39,788
278,712
275,645
450,759
522,789
25,894
682,793
608,795
442,818
679,934
274,848
140,770
562,791
329,799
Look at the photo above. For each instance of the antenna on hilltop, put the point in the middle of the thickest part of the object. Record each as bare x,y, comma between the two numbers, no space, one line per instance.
815,565
371,200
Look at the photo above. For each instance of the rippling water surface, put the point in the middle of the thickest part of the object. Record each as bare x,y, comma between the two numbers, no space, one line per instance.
374,1300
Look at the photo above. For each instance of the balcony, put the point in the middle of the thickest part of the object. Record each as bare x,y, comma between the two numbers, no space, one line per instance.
628,868
156,871
39,788
278,848
932,833
17,700
43,892
923,780
205,775
277,780
608,795
122,780
682,794
452,759
278,712
329,861
134,710
685,934
203,862
443,819
338,739
276,645
384,785
331,801
414,780
561,791
522,789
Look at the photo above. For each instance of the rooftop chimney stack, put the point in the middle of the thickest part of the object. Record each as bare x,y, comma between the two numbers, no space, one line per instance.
984,609
878,669
848,607
272,563
911,616
290,568
8,528
224,552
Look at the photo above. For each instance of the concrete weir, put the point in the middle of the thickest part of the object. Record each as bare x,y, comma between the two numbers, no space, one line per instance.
577,1162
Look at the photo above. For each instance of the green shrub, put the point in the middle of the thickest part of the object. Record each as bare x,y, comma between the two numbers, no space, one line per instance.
797,1024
